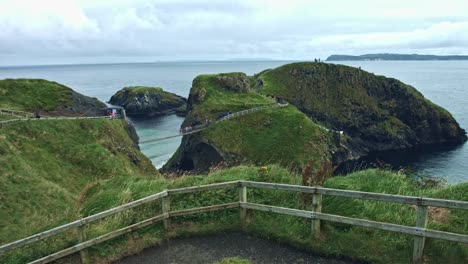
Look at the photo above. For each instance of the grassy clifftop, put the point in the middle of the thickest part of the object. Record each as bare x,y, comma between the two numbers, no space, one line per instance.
277,135
46,97
379,113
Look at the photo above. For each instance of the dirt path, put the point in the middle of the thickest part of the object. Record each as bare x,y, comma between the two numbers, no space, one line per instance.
209,249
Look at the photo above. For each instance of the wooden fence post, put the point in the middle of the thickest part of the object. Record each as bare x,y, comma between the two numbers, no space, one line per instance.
166,208
316,208
82,237
419,241
243,199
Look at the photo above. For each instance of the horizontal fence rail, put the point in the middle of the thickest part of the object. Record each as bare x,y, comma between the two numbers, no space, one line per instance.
360,195
419,231
14,112
33,119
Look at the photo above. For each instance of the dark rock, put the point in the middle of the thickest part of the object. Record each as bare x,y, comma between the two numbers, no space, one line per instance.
149,101
236,82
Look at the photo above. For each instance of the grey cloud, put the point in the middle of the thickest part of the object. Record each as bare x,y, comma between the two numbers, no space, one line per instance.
119,30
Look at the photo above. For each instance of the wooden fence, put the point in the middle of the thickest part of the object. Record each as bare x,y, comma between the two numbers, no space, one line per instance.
419,231
9,112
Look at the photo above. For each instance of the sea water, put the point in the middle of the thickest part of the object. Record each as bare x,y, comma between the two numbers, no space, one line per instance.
443,82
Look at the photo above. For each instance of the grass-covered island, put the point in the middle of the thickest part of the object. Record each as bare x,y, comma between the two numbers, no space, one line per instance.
149,101
56,171
336,113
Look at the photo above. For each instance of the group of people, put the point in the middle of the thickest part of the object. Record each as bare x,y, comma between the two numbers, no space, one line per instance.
112,113
222,115
190,128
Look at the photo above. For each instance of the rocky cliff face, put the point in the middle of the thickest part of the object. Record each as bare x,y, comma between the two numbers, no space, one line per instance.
378,113
149,101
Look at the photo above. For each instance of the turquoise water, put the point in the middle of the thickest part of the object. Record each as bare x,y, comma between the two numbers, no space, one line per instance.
443,82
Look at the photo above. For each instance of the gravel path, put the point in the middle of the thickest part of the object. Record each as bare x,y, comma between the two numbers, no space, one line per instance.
209,249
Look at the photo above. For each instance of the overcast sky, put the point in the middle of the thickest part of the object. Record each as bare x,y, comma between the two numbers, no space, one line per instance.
93,31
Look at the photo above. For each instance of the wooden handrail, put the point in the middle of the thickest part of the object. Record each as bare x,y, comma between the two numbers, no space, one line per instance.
360,195
420,232
80,222
53,118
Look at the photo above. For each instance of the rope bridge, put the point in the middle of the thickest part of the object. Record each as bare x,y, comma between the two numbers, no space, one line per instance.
227,117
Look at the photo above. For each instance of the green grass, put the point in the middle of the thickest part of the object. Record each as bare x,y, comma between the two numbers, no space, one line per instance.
261,137
220,100
33,94
235,260
45,166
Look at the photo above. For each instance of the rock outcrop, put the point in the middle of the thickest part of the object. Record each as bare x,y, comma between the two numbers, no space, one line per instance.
341,113
149,101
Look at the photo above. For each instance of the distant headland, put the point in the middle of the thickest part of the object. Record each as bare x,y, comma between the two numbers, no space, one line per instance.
390,56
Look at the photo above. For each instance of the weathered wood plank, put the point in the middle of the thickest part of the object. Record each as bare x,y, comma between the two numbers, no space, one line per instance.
333,192
419,241
205,209
100,239
316,208
242,199
396,228
360,195
204,187
445,203
276,209
166,208
82,237
80,222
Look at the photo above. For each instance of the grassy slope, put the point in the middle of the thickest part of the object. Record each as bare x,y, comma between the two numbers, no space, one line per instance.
44,166
235,260
259,137
337,239
347,96
33,94
219,100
